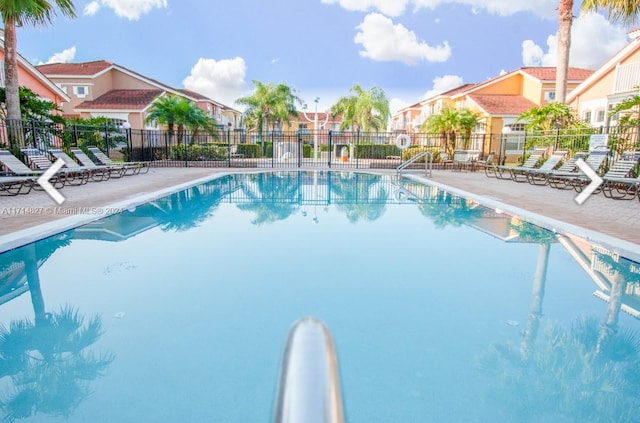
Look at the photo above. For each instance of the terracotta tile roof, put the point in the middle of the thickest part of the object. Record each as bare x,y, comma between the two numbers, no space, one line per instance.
86,68
461,88
502,104
122,99
549,73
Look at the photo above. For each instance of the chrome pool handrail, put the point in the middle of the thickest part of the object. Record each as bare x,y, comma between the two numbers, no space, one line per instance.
309,385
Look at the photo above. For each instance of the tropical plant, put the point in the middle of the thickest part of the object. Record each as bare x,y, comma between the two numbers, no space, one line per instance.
548,117
629,110
452,123
178,114
17,13
270,105
363,110
32,107
98,131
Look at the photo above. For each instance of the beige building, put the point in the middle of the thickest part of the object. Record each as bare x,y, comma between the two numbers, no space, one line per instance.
614,81
498,101
103,88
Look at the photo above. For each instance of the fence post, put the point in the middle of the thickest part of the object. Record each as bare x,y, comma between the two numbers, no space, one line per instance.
330,146
300,148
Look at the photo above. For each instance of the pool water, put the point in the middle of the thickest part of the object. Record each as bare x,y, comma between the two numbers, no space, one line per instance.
440,309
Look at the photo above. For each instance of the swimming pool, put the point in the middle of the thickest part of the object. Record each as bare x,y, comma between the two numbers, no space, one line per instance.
440,309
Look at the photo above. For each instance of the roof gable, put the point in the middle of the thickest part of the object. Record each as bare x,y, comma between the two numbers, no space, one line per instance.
75,69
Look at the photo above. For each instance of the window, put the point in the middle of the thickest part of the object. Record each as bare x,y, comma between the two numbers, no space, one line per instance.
599,116
550,96
586,116
80,91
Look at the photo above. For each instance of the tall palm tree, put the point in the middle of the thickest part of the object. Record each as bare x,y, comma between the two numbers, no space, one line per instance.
162,112
270,104
451,122
177,113
17,13
364,110
623,11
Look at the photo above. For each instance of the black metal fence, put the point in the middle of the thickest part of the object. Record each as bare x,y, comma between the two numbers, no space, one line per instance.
306,148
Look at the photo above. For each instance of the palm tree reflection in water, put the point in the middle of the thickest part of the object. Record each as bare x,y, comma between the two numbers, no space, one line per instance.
46,360
588,372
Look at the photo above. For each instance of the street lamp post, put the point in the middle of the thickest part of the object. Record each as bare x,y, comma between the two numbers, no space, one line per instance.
315,124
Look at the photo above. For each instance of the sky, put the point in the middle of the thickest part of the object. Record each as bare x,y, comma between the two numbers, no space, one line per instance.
412,49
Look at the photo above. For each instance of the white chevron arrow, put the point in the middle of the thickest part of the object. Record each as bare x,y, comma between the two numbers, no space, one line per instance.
596,181
43,181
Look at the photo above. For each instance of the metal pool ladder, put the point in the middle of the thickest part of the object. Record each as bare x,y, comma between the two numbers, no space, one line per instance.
309,385
427,162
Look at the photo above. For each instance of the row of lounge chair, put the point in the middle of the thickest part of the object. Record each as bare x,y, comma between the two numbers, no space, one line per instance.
561,172
20,177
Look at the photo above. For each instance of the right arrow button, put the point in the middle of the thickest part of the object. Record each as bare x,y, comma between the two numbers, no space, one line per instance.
596,181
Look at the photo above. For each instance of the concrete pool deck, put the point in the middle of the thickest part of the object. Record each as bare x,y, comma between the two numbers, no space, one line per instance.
34,214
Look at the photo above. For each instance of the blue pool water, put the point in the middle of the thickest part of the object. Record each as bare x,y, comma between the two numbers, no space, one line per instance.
441,310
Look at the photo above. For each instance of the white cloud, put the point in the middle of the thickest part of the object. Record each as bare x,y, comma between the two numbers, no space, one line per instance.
442,84
91,8
128,9
65,56
396,104
388,7
384,41
222,80
544,8
593,41
534,55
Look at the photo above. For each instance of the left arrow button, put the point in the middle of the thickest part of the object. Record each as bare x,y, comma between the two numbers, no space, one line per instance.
43,181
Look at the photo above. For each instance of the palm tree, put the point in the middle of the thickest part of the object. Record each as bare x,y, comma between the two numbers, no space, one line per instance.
17,13
270,104
162,111
364,110
624,11
450,122
548,117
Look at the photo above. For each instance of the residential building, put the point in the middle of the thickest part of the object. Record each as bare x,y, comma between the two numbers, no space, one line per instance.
499,101
30,77
103,88
615,80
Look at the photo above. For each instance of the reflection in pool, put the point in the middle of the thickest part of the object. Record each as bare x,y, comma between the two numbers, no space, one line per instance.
441,309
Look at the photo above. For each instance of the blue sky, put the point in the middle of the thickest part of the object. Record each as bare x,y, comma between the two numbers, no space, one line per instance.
321,48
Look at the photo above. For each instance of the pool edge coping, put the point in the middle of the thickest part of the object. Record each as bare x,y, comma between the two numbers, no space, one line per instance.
26,236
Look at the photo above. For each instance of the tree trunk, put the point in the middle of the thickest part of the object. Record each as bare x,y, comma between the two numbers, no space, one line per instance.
535,309
33,280
14,119
565,19
610,324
